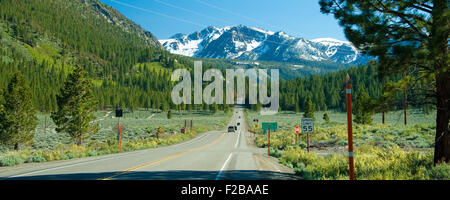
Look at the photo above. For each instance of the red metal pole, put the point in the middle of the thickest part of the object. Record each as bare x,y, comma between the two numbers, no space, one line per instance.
169,135
350,129
268,149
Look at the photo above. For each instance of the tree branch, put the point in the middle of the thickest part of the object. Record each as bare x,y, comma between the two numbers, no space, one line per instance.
422,8
402,16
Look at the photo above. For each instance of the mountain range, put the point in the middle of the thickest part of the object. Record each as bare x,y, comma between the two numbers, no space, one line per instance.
250,43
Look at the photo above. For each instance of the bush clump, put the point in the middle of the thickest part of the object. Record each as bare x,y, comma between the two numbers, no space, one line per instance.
439,172
10,160
371,163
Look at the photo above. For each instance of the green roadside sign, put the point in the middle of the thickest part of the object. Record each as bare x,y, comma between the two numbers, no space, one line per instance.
273,126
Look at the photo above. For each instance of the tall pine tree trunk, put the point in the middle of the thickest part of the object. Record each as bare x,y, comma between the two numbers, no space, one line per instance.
439,55
442,139
383,115
405,105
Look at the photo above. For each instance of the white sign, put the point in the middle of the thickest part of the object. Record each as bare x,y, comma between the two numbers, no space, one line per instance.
307,125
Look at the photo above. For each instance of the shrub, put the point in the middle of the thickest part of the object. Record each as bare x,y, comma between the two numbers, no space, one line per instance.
91,153
10,160
70,155
439,172
36,158
373,163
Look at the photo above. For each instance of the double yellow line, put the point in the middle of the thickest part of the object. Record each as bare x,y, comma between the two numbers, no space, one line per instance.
163,159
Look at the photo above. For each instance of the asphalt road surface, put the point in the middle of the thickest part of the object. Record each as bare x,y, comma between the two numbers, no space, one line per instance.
214,155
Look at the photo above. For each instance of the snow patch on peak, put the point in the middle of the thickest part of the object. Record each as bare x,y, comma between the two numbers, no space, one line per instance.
330,41
262,31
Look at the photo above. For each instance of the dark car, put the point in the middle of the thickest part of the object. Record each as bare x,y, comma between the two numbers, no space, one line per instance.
231,129
235,128
238,124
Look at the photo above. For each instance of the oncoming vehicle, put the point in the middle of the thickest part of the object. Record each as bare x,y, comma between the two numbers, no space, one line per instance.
231,129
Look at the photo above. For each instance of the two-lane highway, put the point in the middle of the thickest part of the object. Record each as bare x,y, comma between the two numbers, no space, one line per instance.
214,155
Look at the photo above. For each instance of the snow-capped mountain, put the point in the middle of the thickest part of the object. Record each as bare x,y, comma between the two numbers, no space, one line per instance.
249,43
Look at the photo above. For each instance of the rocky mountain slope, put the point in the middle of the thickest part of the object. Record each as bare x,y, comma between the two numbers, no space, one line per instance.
249,43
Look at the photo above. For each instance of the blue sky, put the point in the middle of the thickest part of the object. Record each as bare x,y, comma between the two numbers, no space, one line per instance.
164,18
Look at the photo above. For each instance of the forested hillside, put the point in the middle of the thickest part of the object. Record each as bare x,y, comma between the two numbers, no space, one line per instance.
327,90
46,39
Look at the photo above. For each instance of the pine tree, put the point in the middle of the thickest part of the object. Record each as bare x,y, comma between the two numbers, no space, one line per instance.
169,114
309,108
17,115
258,106
215,108
406,36
363,108
75,106
326,117
189,107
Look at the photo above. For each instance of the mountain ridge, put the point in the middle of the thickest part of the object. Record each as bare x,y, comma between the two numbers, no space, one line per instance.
251,43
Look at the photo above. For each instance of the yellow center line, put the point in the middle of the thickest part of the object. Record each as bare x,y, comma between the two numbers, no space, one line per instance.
163,159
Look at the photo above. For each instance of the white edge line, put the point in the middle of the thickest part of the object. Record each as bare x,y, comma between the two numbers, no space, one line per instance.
237,141
223,167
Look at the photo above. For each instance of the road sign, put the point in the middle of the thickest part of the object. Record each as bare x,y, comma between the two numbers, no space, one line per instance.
273,126
307,125
296,129
119,113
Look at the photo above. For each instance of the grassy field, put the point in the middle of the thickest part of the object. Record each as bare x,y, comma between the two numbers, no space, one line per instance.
419,133
386,152
288,119
139,132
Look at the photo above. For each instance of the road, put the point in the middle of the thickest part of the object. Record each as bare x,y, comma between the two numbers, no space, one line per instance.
214,155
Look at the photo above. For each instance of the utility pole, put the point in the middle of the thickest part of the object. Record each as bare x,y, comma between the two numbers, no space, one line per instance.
119,114
45,124
120,134
192,127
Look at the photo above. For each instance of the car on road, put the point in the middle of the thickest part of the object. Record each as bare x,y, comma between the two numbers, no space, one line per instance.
231,129
235,128
238,124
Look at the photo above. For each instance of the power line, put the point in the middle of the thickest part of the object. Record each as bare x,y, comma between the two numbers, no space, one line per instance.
239,15
191,11
201,25
158,13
